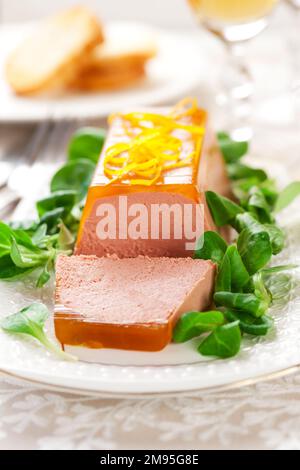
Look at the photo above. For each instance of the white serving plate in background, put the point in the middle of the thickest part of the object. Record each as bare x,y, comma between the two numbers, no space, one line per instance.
174,73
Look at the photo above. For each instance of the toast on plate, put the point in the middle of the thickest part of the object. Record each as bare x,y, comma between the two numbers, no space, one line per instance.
54,53
119,62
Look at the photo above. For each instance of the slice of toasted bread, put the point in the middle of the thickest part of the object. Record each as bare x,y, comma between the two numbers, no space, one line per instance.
54,53
118,62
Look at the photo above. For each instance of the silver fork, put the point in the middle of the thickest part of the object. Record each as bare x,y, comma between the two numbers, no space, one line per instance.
10,193
29,181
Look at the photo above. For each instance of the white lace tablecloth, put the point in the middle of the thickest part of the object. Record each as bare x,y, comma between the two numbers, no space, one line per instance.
262,416
265,416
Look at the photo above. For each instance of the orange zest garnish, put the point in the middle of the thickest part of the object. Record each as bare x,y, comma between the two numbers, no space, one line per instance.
152,147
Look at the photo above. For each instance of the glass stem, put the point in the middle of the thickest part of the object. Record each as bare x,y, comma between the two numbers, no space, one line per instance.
237,86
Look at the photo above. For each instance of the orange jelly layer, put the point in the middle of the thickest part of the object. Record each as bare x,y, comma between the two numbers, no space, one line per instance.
93,335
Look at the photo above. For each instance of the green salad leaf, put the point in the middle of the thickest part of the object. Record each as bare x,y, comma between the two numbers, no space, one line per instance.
75,175
210,246
232,275
45,274
255,249
277,238
52,219
30,321
223,280
86,144
270,191
249,303
276,234
258,205
193,324
60,199
287,196
23,254
5,239
278,269
66,239
238,171
223,342
249,324
278,281
27,225
222,209
232,150
24,257
9,271
39,237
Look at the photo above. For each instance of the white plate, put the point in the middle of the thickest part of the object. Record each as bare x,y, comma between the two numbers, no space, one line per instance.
176,369
172,74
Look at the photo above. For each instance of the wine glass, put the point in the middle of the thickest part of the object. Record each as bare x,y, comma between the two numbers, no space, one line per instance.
235,22
293,43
